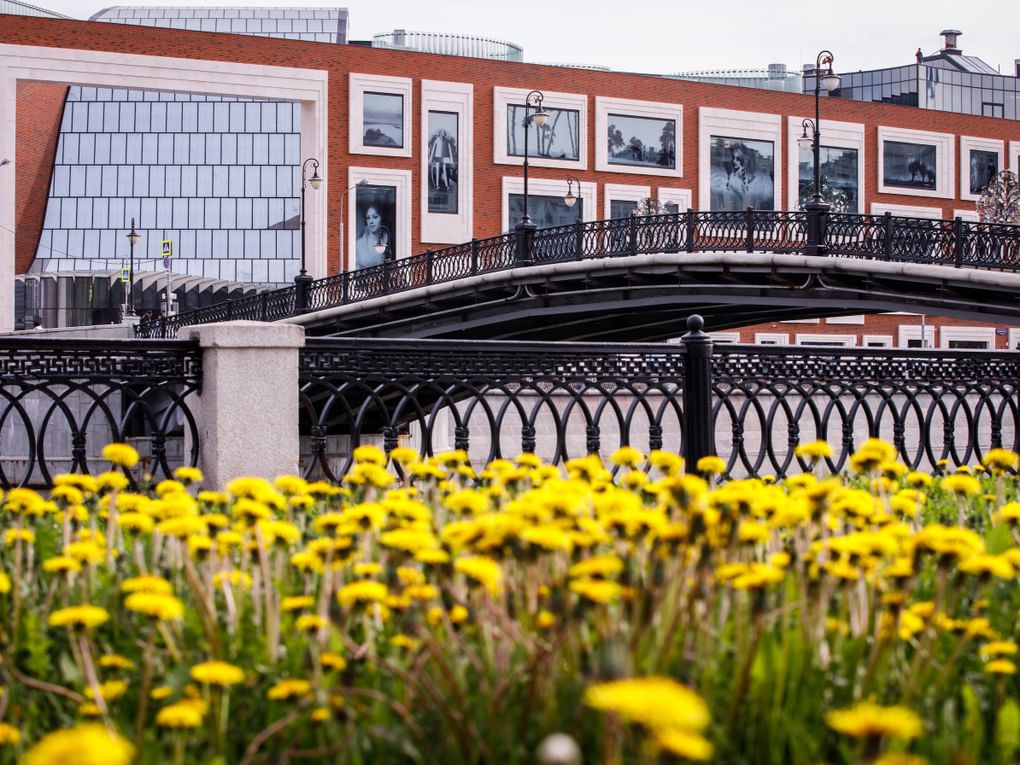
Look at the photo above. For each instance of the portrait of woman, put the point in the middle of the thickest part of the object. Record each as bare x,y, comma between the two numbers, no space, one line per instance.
376,214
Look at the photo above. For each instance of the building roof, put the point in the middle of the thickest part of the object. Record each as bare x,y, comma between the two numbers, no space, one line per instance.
327,25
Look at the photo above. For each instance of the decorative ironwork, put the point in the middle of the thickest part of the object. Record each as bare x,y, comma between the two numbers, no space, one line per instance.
944,405
882,237
62,400
493,399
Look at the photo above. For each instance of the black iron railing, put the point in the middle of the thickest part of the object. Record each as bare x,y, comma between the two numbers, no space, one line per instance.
62,400
750,405
880,237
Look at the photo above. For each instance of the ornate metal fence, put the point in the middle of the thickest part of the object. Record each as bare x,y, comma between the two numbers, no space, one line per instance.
933,405
62,400
881,237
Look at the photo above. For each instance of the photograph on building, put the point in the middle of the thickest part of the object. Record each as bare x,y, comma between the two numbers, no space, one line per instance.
909,165
376,208
545,211
742,174
383,120
838,178
642,141
558,138
442,162
984,166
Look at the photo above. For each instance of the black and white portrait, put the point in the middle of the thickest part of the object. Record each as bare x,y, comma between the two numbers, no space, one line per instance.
442,162
641,141
558,138
909,165
383,120
984,166
838,178
743,174
376,210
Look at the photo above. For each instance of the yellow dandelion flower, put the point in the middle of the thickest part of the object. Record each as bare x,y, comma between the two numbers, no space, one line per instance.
682,743
116,661
183,714
9,734
711,465
85,744
297,602
601,591
61,564
332,661
364,591
867,720
165,608
657,703
289,689
1000,667
217,673
121,455
111,690
147,583
813,450
484,571
80,617
310,623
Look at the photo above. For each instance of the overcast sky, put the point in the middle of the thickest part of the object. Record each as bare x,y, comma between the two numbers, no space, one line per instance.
686,35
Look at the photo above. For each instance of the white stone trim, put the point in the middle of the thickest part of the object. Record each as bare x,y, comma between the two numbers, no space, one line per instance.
833,134
970,216
948,334
724,338
822,339
800,321
771,338
1014,338
730,123
1014,156
310,87
456,97
503,97
967,145
857,319
682,198
378,176
547,187
906,211
621,192
907,332
628,107
877,341
945,162
359,84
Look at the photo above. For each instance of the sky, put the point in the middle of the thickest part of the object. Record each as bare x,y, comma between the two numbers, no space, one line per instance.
686,35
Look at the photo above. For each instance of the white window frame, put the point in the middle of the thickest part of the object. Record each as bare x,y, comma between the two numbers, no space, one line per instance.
970,216
833,134
906,211
967,145
547,187
811,338
1014,338
682,198
359,84
725,338
856,319
771,338
622,193
378,176
945,161
628,107
949,333
1014,156
504,97
455,97
801,321
907,332
730,123
885,340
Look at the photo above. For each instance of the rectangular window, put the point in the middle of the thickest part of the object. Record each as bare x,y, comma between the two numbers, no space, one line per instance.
212,149
244,149
742,173
244,213
182,146
228,213
545,211
383,120
134,149
260,149
103,149
180,213
196,154
140,185
442,162
157,181
984,166
205,118
558,138
189,181
118,148
910,165
838,175
641,141
174,121
189,117
374,224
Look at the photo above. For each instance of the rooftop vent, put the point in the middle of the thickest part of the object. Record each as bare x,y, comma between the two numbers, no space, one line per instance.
950,36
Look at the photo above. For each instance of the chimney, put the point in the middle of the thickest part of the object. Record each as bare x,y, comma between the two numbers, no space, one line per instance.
1016,63
777,71
400,37
950,35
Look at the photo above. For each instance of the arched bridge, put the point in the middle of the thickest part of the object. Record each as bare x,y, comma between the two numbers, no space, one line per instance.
636,278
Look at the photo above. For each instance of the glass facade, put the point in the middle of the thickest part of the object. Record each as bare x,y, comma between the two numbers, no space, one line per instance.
218,176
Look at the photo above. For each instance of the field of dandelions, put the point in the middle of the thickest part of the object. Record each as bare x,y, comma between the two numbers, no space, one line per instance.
420,612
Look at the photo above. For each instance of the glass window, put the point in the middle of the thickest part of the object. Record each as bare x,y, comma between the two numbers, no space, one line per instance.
212,213
101,213
291,213
76,186
96,117
174,117
149,152
276,218
196,213
742,172
118,148
545,211
134,149
221,117
557,139
268,118
236,186
244,213
641,141
69,148
212,149
91,248
276,150
182,144
61,181
102,149
283,180
244,149
127,118
203,245
284,121
143,115
292,151
173,181
140,187
87,149
117,214
228,214
93,180
68,212
157,181
383,120
165,155
80,117
75,243
186,245
205,118
220,175
251,181
260,213
180,213
268,185
622,208
837,174
189,117
189,180
229,149
125,181
204,174
219,243
109,187
164,212
148,213
260,149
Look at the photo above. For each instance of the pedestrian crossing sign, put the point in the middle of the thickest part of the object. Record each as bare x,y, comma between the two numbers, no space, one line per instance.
125,274
168,248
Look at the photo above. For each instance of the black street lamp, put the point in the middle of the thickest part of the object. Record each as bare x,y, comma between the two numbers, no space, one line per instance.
132,237
534,98
382,241
571,198
302,280
830,81
816,209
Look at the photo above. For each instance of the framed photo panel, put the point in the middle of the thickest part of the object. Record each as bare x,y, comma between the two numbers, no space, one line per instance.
376,224
380,115
738,155
545,202
638,137
916,163
562,142
446,161
981,159
841,165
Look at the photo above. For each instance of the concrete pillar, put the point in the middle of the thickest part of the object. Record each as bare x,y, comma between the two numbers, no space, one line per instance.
247,412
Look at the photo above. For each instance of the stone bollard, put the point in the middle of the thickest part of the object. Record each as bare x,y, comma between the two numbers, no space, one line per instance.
247,411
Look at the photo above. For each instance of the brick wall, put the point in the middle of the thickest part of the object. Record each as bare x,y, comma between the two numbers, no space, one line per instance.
40,106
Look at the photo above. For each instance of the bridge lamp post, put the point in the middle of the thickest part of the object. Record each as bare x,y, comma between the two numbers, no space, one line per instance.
539,117
816,208
132,237
302,280
571,198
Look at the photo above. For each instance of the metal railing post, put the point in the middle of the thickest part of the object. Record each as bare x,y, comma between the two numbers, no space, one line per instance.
474,257
958,240
749,224
430,265
263,303
633,235
345,287
698,433
301,283
887,227
523,247
579,240
691,223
